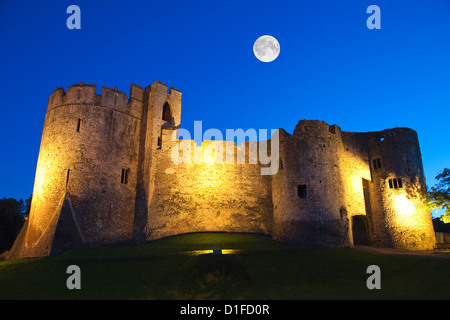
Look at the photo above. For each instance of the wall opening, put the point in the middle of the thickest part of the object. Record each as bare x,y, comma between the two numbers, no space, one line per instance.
78,124
360,229
159,142
301,191
67,178
376,163
343,213
167,113
395,183
125,173
366,193
332,129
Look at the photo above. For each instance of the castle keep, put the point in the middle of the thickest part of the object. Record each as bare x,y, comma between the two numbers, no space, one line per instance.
105,176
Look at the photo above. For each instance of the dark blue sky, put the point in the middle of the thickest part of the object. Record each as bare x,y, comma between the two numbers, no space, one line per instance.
331,67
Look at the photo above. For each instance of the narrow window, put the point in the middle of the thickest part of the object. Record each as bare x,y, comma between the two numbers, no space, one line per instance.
395,183
79,93
68,177
343,212
167,114
376,163
281,163
125,173
78,125
301,190
159,142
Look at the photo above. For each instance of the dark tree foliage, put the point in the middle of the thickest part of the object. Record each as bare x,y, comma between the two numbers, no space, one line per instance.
12,217
439,195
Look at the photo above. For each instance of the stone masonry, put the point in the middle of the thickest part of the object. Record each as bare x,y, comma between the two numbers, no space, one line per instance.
105,176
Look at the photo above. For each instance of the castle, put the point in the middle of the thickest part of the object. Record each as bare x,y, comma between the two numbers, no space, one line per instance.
105,176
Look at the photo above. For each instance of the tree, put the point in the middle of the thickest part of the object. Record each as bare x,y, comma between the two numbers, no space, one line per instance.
28,206
12,218
439,195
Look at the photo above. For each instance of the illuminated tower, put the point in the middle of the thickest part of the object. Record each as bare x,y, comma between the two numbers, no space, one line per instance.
308,191
161,115
339,188
401,218
85,185
95,174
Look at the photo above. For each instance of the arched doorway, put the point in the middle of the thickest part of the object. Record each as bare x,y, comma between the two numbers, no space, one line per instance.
361,230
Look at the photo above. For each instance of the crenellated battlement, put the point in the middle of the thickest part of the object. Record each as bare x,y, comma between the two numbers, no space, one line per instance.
86,95
162,87
113,168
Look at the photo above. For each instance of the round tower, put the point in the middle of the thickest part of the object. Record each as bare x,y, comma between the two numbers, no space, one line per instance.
400,216
86,171
308,190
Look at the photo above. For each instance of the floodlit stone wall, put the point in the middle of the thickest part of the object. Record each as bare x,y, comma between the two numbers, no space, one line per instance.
114,171
308,190
207,196
400,217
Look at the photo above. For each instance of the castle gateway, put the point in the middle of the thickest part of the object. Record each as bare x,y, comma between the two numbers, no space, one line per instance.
105,176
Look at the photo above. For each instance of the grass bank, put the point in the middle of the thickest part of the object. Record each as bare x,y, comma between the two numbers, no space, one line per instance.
260,269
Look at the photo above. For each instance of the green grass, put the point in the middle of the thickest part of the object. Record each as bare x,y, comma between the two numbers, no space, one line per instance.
263,269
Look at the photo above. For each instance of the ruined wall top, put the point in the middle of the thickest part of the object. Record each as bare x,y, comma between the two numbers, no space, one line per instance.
86,95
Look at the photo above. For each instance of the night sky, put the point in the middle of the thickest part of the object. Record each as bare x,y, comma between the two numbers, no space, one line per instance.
331,67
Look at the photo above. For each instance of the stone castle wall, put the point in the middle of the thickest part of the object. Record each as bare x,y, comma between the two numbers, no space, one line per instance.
308,190
87,141
207,196
106,174
397,191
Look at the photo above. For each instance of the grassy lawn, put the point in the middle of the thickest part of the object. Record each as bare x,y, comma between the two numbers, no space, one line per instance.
261,269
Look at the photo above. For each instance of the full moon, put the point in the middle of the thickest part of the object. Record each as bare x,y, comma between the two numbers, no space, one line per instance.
266,48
